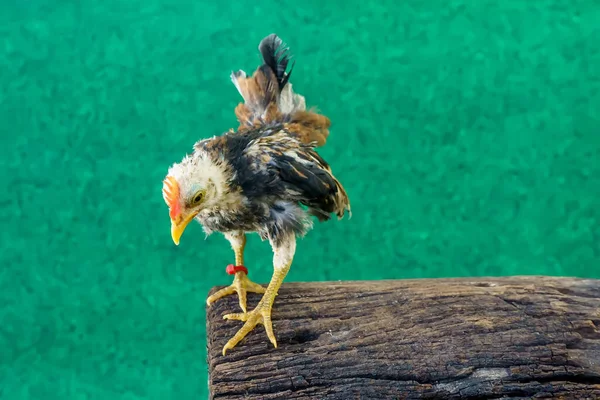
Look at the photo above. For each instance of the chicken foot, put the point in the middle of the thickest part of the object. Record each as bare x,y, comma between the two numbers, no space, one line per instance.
241,283
282,260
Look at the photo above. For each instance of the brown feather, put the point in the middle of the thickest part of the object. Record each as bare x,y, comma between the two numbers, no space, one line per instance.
260,93
244,116
272,114
309,127
215,145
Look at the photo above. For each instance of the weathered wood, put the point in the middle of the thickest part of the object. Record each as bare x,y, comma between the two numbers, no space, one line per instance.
479,338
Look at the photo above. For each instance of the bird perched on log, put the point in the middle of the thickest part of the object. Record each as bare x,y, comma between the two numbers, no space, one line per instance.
265,178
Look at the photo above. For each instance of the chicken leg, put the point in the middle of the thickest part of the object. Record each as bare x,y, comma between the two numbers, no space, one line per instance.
241,283
283,254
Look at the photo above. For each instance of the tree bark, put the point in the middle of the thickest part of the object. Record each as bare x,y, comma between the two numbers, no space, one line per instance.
477,338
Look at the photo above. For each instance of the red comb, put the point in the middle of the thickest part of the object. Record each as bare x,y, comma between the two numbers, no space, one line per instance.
171,195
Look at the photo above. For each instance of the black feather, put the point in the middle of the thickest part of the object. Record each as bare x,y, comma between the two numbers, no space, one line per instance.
314,183
283,182
277,57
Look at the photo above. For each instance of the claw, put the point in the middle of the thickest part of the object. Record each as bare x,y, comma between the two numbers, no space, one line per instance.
237,316
260,315
241,285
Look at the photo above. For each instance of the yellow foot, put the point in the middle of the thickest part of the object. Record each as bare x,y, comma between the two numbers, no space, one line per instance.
242,285
260,315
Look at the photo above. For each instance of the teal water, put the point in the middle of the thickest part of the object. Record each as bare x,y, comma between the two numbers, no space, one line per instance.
467,134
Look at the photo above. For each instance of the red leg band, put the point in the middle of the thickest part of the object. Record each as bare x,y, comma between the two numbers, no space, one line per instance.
233,269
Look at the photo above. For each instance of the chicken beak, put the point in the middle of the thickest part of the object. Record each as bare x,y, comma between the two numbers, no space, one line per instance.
178,225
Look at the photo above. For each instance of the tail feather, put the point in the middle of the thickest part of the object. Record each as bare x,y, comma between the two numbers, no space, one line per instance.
269,97
276,55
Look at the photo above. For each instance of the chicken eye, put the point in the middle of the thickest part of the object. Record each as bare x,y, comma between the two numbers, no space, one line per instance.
198,197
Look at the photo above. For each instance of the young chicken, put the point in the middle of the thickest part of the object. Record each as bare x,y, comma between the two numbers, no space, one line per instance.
265,177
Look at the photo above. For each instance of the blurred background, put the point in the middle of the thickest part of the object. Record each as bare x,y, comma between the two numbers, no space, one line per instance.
467,134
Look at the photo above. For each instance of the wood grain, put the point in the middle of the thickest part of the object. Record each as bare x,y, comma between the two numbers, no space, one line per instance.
481,338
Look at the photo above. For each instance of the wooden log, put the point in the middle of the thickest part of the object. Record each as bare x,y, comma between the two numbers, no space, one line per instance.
480,338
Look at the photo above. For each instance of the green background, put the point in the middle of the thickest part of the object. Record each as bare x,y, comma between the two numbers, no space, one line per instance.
466,133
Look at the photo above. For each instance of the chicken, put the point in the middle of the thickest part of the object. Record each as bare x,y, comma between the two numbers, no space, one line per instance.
265,178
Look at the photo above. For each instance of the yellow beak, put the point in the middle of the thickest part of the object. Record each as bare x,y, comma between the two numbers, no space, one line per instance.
178,226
